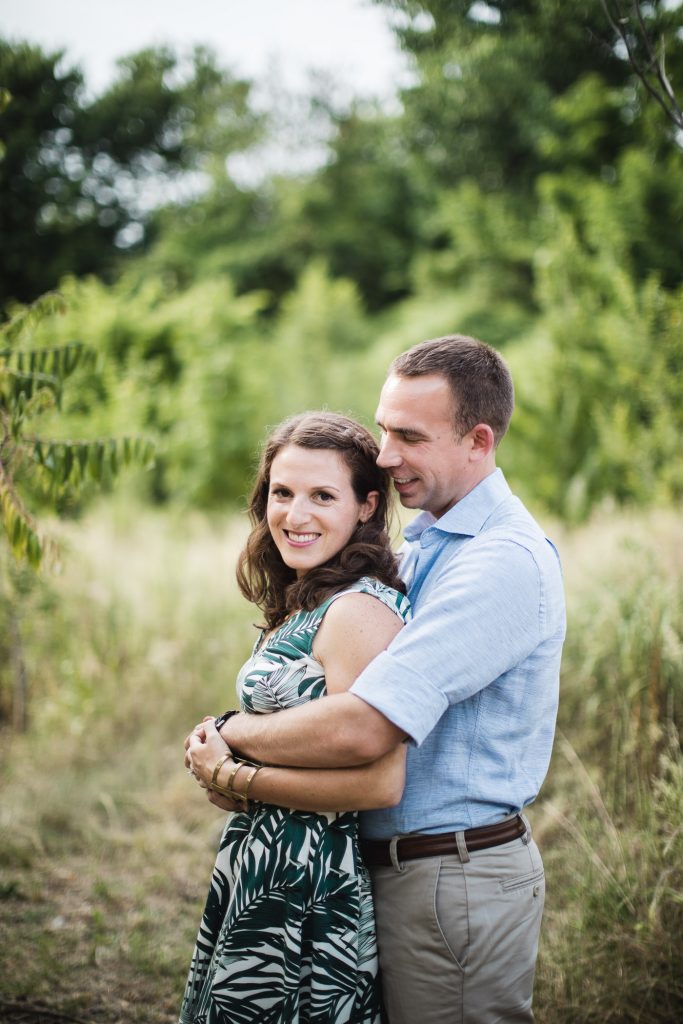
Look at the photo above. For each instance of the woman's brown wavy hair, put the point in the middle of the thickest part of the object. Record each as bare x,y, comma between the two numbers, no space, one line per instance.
262,575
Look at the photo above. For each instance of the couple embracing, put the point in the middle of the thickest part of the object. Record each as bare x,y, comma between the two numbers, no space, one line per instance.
389,815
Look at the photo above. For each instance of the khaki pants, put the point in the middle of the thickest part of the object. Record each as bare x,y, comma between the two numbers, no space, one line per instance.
458,938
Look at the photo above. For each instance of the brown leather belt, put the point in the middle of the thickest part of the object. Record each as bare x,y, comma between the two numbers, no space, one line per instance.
376,851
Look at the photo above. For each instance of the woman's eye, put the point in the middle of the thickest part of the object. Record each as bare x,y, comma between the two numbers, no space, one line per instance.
325,496
279,492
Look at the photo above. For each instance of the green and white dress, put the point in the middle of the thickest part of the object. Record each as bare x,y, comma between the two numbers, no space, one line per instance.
288,932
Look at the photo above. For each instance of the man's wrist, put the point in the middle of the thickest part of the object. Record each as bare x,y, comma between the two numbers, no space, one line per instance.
227,731
222,719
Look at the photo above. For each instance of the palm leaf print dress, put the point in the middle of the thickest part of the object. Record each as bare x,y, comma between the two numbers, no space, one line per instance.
288,931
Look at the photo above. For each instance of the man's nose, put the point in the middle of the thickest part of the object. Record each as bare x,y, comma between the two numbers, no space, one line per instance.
389,455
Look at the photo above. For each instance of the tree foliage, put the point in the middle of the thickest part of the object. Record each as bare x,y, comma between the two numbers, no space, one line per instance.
80,178
32,380
488,75
642,29
529,191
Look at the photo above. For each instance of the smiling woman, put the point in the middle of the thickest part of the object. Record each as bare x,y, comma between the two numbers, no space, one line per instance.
318,475
312,508
288,930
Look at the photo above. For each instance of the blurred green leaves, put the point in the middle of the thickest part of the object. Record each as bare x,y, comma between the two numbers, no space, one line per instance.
80,178
32,379
525,190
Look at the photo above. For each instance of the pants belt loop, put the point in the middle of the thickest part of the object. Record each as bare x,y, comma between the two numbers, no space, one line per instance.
462,848
526,838
393,853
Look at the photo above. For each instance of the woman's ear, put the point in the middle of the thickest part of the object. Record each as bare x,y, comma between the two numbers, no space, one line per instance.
369,506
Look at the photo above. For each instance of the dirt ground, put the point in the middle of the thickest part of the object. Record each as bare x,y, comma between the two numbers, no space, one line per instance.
104,940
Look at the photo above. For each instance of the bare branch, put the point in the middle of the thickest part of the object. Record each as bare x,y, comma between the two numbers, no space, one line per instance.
651,73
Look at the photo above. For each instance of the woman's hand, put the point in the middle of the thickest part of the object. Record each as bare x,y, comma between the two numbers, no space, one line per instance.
205,747
224,802
200,731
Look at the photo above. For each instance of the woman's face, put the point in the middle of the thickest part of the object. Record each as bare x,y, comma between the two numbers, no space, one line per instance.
312,508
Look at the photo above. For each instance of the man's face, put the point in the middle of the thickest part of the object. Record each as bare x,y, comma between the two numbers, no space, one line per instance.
430,466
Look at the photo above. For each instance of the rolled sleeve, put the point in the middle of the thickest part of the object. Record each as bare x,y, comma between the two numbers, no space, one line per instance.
479,617
402,695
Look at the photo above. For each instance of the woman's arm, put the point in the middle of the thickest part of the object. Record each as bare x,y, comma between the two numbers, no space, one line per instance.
356,628
377,784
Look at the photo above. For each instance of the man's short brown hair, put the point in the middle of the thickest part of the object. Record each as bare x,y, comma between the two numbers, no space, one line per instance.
478,376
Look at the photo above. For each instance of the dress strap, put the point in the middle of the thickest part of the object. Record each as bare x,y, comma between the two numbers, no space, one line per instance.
393,599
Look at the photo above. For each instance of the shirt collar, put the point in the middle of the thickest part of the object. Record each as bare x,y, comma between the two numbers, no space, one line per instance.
469,514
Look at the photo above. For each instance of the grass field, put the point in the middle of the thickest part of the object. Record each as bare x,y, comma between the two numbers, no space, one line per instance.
106,846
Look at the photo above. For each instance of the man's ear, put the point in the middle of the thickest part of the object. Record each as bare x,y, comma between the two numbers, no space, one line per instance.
483,442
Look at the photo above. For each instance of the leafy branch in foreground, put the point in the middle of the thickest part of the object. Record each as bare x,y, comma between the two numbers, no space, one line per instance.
31,383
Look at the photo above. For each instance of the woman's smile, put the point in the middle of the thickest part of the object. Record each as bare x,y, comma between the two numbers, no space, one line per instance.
300,539
313,510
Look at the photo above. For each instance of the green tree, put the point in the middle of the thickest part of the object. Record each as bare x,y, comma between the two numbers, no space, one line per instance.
255,237
361,213
600,394
488,74
644,30
364,209
31,382
80,178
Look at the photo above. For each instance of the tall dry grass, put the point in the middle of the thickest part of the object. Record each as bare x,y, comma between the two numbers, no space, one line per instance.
106,845
611,813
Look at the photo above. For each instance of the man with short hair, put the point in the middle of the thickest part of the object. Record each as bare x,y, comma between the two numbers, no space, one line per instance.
471,682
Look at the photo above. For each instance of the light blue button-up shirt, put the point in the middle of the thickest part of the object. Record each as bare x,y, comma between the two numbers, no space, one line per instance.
473,678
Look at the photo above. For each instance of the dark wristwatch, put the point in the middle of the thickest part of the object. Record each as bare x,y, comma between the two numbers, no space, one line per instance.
222,719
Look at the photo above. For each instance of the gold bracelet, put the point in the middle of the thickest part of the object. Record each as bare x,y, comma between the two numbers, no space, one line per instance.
250,779
233,794
226,790
223,791
233,773
251,764
217,767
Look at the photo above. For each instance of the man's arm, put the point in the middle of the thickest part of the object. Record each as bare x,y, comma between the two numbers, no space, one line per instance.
363,787
332,732
481,618
336,730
